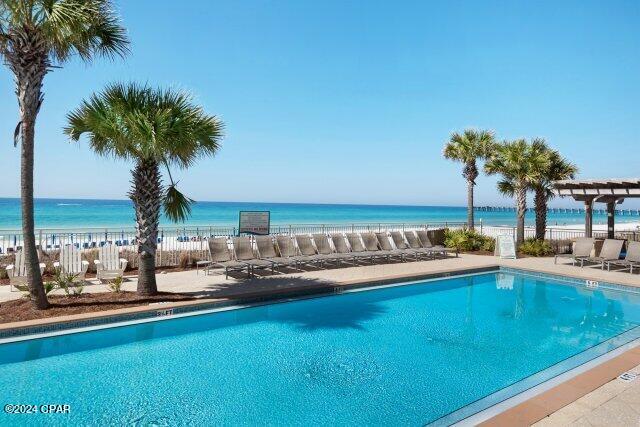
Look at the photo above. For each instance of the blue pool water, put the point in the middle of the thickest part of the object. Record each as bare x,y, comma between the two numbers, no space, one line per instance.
403,355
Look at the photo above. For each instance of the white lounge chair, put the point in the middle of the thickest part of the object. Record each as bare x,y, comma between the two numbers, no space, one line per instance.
109,265
71,262
18,272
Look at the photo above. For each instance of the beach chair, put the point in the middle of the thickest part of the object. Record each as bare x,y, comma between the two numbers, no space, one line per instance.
17,272
372,245
414,243
385,245
355,241
401,243
611,250
109,265
267,251
287,249
631,259
324,248
221,257
425,241
340,243
581,250
306,248
243,251
71,262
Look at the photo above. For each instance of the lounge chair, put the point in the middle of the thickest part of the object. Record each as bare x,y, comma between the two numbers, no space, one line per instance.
357,246
287,249
631,259
426,243
414,243
306,248
71,263
372,244
581,250
222,257
324,248
610,251
401,244
341,246
385,245
109,265
267,251
243,251
18,272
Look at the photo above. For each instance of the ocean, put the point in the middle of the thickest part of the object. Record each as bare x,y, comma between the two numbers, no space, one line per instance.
89,213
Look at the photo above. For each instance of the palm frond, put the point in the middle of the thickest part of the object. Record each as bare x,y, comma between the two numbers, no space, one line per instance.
177,206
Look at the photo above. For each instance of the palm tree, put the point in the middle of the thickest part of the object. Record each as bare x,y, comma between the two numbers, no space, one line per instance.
467,148
35,36
518,162
558,168
153,128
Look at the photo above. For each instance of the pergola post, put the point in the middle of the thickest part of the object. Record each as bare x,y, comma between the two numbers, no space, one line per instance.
611,219
588,218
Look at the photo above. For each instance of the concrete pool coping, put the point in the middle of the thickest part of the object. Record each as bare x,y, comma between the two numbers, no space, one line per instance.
330,281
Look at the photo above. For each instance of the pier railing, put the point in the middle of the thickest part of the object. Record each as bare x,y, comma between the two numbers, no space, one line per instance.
185,245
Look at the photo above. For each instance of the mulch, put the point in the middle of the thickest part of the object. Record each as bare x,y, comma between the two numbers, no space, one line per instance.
61,305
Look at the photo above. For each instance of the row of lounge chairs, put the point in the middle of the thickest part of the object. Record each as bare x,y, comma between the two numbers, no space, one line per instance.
318,249
609,254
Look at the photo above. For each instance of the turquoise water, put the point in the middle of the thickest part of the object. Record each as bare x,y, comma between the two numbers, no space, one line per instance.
72,213
396,356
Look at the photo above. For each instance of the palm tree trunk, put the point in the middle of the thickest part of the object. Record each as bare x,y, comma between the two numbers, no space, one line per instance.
146,195
470,219
470,173
521,208
540,201
29,63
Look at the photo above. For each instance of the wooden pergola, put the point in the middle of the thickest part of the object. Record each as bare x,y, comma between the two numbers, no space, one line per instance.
609,191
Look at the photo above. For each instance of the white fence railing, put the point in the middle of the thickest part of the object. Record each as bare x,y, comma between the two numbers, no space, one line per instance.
177,245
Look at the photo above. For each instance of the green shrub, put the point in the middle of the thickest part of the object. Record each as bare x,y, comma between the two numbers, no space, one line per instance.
468,240
116,284
68,283
535,247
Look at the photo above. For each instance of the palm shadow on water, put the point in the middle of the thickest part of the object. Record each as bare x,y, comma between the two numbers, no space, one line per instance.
345,311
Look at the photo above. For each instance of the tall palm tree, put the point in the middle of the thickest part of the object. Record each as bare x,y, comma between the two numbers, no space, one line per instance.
154,128
468,147
35,36
518,162
558,168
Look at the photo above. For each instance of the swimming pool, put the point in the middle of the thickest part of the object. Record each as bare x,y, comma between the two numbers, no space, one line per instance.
400,355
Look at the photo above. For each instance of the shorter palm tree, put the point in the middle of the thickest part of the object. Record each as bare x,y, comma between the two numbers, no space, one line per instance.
153,128
558,168
468,147
518,162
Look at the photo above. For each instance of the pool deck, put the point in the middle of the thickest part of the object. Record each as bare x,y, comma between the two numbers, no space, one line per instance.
594,397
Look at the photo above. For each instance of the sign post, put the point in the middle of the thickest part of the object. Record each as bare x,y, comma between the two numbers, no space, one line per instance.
505,247
254,222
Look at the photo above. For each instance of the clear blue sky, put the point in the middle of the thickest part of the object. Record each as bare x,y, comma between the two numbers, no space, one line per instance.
352,101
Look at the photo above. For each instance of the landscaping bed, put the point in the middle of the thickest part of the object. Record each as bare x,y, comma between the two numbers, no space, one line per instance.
62,305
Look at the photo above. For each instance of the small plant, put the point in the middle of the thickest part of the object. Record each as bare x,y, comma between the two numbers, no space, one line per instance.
48,287
468,240
68,283
116,284
535,247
